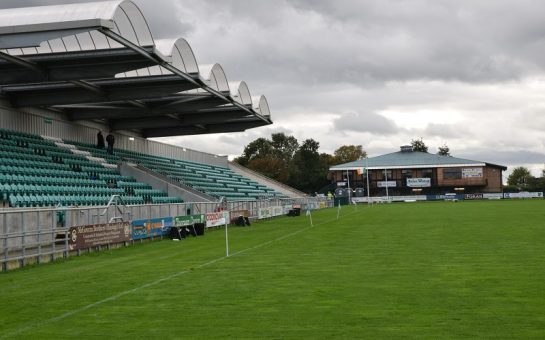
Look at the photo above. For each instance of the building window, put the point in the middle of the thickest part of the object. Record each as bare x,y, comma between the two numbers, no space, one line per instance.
406,174
426,173
386,173
452,173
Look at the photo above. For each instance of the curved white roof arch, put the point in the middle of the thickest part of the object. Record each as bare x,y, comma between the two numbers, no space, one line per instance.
240,93
261,106
214,76
180,53
72,27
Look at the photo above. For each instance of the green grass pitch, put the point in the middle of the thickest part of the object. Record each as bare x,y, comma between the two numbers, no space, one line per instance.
414,270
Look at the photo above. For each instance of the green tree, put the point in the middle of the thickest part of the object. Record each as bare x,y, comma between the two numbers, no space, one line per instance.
308,175
349,153
520,177
284,146
444,150
259,148
419,145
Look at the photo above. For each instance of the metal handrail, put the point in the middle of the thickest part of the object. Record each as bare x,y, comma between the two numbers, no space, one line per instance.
114,200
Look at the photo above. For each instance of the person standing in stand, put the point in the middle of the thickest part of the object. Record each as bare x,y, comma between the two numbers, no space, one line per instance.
110,139
100,140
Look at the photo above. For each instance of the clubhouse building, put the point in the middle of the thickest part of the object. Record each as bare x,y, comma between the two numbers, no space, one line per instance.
409,172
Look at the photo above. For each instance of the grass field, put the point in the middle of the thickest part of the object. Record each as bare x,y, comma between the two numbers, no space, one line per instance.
414,270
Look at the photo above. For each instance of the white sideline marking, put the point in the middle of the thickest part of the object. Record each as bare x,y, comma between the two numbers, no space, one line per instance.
153,283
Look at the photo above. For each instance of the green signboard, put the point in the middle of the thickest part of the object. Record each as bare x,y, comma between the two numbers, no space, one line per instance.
181,221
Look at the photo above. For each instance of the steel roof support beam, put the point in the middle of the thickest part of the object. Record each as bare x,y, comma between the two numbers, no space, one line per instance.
174,70
23,63
68,66
215,128
181,120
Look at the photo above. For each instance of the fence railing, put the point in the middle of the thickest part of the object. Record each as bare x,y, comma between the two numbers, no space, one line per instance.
35,235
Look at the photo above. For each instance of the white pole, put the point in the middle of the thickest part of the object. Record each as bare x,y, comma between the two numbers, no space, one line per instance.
339,210
226,240
348,181
386,175
367,177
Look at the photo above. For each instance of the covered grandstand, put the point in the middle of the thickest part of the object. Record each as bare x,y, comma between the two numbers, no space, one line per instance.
69,71
99,62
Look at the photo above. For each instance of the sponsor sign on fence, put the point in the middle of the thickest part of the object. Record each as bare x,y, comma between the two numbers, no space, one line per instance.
523,195
419,182
384,184
89,236
277,210
236,213
264,213
445,197
182,221
216,219
153,227
493,196
473,196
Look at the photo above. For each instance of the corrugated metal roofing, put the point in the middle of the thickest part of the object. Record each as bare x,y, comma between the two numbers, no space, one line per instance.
414,159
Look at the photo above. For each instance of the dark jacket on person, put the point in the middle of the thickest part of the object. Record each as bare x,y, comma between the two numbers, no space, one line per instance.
100,140
110,139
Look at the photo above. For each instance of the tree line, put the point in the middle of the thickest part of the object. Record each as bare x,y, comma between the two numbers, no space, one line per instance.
521,179
299,165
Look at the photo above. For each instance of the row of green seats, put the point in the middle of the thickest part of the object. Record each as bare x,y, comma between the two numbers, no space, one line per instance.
21,153
17,201
37,179
163,200
35,164
19,133
14,188
149,192
18,170
117,177
134,185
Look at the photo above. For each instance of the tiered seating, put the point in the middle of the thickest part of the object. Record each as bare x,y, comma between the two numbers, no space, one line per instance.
211,179
35,172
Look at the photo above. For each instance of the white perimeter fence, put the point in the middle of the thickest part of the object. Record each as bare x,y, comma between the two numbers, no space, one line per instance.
36,235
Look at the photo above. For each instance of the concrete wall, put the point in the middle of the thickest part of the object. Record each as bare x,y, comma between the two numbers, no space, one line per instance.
187,194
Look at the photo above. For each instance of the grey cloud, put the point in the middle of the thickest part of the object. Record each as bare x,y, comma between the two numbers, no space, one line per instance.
503,157
365,122
446,131
356,42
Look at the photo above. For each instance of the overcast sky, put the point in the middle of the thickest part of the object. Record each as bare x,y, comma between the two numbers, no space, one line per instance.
469,74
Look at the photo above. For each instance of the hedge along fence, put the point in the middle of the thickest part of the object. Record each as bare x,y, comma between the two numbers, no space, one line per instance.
36,235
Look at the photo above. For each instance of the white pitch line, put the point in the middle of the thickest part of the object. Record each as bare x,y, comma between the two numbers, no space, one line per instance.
153,283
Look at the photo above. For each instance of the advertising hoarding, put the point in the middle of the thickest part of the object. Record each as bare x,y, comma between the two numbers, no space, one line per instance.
146,228
419,182
472,172
216,219
89,236
384,184
182,221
